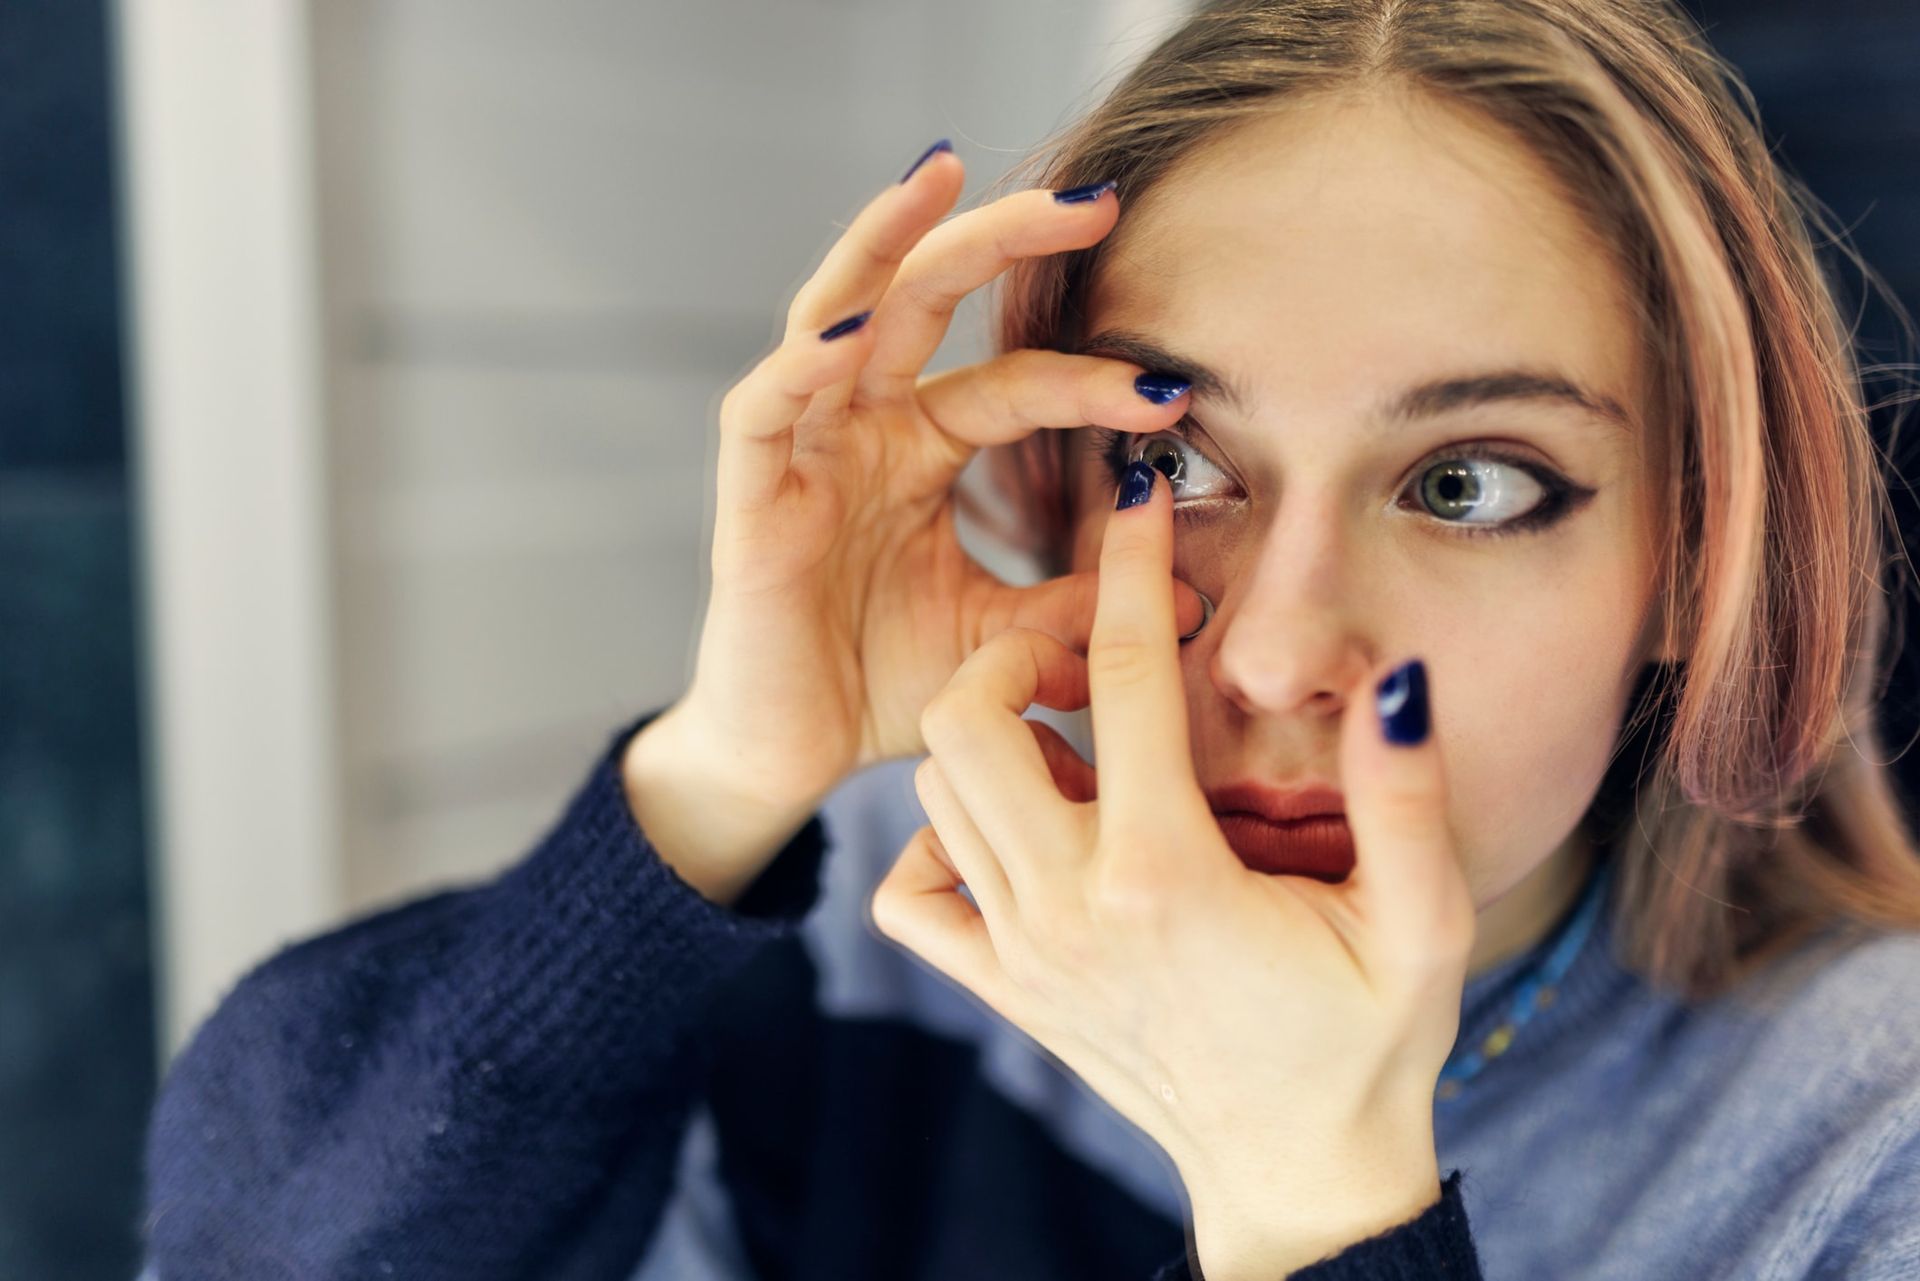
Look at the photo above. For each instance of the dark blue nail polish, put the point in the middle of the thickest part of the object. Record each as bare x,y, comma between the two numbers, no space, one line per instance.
1081,195
1402,703
1137,485
845,327
942,145
1160,388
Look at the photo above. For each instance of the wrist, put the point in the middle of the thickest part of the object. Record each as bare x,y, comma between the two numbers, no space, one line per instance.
1259,1228
678,746
702,811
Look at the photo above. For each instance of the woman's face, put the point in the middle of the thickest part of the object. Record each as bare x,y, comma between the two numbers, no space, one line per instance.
1326,264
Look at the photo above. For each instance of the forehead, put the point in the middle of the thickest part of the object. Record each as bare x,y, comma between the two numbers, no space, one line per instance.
1339,247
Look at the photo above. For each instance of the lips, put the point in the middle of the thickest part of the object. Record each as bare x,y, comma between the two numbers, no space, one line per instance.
1280,805
1301,831
1321,847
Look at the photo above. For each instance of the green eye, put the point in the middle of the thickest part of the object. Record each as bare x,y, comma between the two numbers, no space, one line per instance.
1464,486
1490,494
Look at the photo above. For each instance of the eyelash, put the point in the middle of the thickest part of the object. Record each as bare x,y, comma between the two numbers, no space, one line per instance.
1110,447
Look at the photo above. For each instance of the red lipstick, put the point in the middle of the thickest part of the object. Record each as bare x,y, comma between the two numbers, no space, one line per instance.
1299,831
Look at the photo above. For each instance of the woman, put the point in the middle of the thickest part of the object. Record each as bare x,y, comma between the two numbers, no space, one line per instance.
1478,465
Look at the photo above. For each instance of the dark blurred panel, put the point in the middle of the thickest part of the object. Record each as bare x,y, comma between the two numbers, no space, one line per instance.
76,997
1835,86
60,387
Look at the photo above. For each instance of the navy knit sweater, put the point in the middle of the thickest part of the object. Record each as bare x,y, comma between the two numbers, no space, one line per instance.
584,1070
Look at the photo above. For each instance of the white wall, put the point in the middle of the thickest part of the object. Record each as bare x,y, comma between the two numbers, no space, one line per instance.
228,448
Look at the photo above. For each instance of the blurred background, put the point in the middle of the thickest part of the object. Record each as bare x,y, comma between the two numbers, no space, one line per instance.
358,365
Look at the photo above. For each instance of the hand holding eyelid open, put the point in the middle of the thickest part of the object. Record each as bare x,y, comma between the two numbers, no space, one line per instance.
842,598
1227,1013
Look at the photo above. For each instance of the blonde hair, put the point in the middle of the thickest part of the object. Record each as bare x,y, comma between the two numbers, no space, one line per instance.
1758,810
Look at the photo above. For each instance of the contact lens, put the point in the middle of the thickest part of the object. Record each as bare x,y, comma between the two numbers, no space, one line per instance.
1164,457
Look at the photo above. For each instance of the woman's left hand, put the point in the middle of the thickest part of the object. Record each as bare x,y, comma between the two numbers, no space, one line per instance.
1279,1037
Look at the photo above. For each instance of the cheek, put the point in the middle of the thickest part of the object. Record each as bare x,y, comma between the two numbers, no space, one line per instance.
1529,716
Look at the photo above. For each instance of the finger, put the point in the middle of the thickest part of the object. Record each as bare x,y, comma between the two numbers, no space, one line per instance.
958,257
862,264
1139,700
1004,399
1407,886
759,412
967,851
917,905
1063,608
995,765
1072,774
829,332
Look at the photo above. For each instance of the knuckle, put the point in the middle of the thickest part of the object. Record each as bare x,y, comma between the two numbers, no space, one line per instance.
1412,967
1119,661
943,721
1000,391
916,287
805,305
1007,240
994,645
877,257
734,401
923,775
1015,641
752,386
1130,898
1410,809
1417,961
1007,652
932,731
1015,379
885,908
1028,363
926,271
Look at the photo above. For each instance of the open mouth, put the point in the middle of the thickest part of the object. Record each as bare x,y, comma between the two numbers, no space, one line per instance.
1320,847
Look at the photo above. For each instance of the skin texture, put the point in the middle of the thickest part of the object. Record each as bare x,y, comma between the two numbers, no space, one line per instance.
1321,260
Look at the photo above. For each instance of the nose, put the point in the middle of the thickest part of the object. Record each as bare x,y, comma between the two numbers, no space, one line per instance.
1289,637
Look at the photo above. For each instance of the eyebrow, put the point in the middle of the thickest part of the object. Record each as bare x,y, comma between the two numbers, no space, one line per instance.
1425,400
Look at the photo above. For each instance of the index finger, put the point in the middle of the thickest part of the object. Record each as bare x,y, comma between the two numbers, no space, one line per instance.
965,253
1139,701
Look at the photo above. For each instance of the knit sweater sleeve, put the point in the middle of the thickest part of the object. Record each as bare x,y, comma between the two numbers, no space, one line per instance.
452,1087
1435,1245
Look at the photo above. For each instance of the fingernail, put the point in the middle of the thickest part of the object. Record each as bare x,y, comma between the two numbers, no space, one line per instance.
942,145
1137,485
1081,195
845,327
1160,388
1206,615
1402,703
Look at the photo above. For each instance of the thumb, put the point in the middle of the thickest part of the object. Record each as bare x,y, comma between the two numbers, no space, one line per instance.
1407,883
1063,607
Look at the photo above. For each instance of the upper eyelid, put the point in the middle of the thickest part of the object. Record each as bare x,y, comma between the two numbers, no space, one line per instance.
1486,451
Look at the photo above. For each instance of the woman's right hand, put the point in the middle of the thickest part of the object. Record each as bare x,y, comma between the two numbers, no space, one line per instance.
842,600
